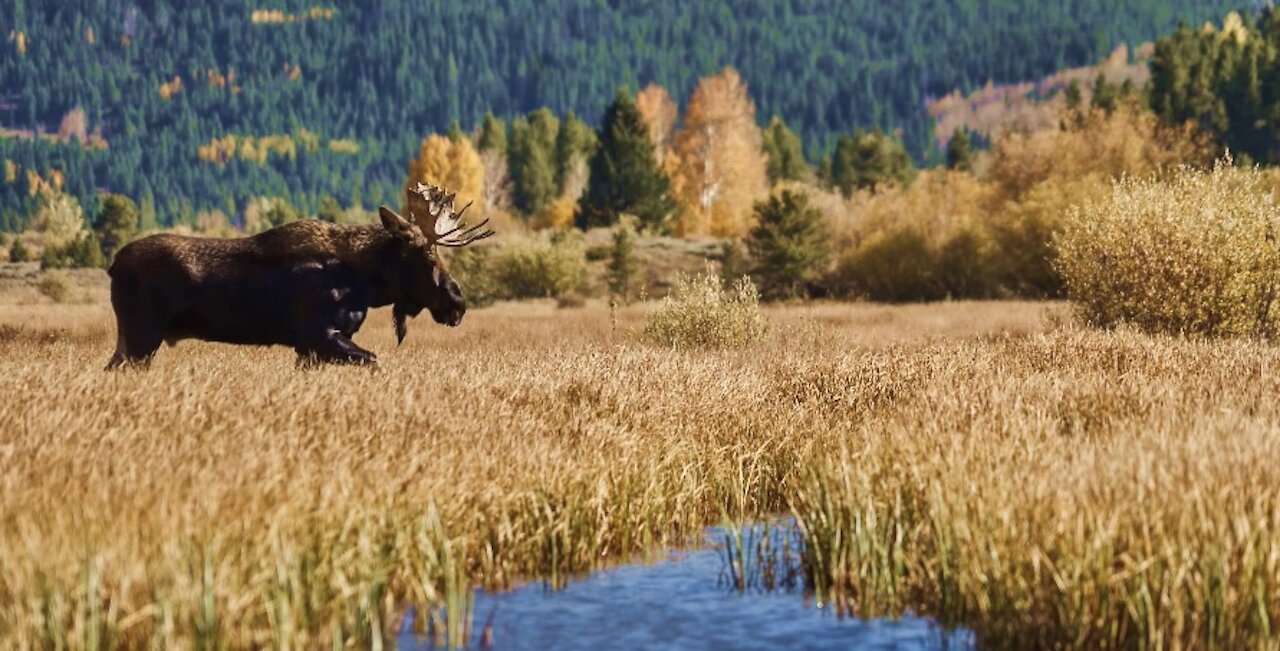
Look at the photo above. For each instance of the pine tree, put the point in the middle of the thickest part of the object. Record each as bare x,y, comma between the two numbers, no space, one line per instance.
1072,95
867,159
788,244
960,151
733,261
86,253
625,178
116,224
622,267
785,153
18,251
455,132
493,134
1105,94
531,159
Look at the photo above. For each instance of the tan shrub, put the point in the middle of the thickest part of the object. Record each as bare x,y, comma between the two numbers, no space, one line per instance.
1195,255
701,313
55,285
538,266
889,265
924,242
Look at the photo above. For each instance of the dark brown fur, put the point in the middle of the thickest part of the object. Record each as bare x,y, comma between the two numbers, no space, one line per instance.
308,285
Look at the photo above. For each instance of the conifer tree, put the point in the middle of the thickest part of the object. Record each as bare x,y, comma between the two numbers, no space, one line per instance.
867,159
788,244
18,251
531,159
960,151
493,134
1072,95
622,267
625,178
455,132
116,224
784,152
329,210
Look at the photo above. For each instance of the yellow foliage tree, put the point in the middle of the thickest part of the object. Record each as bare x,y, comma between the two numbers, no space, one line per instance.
721,162
74,126
451,164
58,219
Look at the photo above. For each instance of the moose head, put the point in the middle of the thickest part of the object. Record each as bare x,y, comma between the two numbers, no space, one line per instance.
424,281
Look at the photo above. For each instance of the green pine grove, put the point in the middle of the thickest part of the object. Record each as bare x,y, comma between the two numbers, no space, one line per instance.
358,84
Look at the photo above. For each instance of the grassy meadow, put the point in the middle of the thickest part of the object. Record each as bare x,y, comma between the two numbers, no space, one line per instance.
991,464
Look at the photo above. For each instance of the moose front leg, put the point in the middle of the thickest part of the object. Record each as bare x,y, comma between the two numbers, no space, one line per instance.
335,348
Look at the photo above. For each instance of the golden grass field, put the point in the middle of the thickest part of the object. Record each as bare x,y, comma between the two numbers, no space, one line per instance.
991,464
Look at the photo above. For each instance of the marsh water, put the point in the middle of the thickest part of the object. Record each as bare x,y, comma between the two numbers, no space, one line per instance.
687,600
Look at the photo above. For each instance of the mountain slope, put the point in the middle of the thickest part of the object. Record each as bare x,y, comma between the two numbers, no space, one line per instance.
356,85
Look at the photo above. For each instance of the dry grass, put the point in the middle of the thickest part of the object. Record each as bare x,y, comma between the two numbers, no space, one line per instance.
226,499
1080,490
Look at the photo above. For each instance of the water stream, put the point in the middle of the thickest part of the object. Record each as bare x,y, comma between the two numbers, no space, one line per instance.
688,600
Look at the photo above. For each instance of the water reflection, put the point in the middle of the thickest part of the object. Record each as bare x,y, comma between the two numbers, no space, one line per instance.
742,592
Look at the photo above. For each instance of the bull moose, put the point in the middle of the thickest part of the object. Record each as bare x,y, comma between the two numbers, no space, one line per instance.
308,284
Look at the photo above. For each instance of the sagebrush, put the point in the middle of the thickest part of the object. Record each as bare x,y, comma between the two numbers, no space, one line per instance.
700,312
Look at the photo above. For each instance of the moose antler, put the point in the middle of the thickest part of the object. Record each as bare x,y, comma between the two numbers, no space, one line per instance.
431,208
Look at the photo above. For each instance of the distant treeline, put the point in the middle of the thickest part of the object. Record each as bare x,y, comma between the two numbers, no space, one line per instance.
188,107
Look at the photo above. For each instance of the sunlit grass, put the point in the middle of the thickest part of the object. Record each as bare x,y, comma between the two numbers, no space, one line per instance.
980,462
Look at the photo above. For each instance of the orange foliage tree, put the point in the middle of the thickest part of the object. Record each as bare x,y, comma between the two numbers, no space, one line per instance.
721,162
659,112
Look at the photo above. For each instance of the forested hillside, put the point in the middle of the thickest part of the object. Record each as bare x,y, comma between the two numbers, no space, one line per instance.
191,106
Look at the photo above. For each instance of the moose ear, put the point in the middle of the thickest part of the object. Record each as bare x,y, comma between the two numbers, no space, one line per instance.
398,225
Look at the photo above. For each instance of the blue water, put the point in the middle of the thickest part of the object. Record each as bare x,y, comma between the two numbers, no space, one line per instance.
685,601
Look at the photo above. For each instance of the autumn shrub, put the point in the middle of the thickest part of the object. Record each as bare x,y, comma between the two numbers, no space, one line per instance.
1037,178
952,234
55,285
963,264
471,268
928,241
889,265
701,313
81,252
538,266
1195,254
